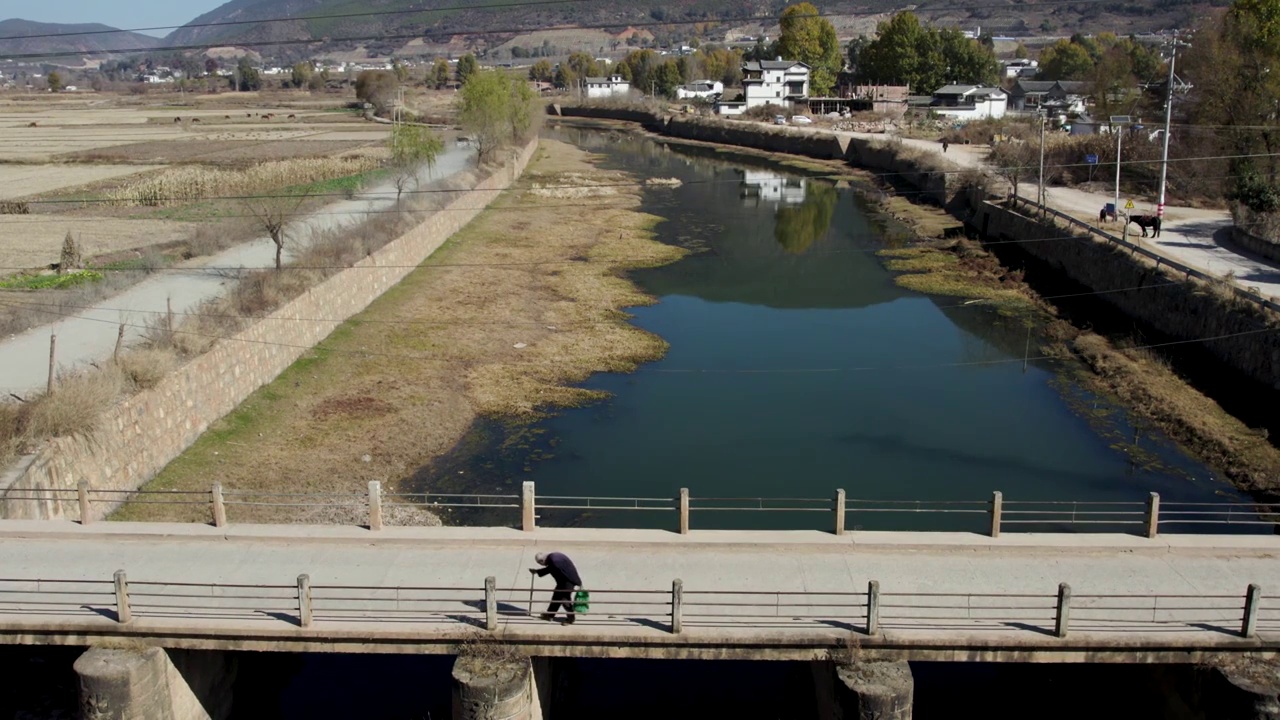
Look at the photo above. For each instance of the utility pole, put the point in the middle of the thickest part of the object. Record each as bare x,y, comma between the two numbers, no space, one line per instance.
1168,114
1040,191
1119,131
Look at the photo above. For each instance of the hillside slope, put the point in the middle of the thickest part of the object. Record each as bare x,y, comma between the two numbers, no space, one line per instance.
515,17
15,40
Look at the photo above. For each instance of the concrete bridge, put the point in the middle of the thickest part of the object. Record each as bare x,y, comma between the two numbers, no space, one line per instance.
786,595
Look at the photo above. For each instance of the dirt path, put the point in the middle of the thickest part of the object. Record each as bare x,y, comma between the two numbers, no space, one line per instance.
503,319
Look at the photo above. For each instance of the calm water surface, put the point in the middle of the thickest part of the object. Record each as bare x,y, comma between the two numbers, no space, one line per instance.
797,366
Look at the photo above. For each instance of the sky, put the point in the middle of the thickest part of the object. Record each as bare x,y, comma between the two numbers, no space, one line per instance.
125,14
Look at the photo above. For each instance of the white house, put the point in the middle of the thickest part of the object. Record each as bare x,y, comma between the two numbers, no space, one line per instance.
780,82
967,102
614,85
700,89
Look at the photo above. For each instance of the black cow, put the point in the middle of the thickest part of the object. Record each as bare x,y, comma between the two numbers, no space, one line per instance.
1147,221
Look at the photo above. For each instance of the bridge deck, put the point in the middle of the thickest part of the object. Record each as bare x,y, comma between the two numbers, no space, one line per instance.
784,595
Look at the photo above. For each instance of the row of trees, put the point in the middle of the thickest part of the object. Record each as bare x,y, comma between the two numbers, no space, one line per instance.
906,52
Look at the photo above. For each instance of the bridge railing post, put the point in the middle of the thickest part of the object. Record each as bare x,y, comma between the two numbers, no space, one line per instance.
1252,599
375,505
1153,515
304,600
528,520
123,612
491,603
839,512
677,606
82,494
684,511
1063,618
873,607
997,507
219,506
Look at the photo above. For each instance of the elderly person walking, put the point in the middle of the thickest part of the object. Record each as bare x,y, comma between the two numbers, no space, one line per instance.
559,567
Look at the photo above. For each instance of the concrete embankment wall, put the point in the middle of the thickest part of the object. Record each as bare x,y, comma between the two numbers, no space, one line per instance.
144,433
1180,309
929,180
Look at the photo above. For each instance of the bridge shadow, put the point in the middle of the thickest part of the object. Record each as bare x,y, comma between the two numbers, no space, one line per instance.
293,620
108,613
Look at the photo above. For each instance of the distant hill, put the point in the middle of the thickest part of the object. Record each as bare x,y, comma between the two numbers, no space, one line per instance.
494,26
15,40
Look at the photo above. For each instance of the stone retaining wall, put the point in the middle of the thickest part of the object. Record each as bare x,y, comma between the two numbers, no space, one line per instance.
142,434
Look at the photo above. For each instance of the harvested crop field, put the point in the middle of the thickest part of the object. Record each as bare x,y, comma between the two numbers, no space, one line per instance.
20,181
29,241
504,320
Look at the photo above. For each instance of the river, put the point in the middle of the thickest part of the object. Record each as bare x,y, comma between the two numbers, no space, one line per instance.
797,367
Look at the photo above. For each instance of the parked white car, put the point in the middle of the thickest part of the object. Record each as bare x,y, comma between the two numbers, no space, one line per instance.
801,120
779,119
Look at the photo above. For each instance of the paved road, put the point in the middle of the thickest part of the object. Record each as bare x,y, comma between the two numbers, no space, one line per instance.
91,334
434,576
1192,236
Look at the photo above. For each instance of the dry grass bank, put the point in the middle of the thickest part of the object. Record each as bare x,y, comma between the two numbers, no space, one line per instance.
503,320
1114,366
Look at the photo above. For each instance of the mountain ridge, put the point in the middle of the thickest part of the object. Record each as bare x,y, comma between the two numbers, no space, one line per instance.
14,38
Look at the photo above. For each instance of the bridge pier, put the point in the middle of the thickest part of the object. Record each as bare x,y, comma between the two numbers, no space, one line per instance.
874,690
494,688
155,684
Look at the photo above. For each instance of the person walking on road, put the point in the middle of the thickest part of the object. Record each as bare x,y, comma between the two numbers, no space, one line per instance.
559,567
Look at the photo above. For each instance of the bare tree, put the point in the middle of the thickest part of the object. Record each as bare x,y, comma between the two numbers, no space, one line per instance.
274,214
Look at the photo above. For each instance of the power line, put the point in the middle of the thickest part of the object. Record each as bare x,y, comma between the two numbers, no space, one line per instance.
57,307
524,29
589,186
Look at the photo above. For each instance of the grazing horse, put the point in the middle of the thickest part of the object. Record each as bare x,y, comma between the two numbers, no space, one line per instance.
1147,221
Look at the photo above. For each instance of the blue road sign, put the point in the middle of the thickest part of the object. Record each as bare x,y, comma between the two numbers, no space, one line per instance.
1091,159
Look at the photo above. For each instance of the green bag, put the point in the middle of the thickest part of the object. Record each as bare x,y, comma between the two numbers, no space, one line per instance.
581,602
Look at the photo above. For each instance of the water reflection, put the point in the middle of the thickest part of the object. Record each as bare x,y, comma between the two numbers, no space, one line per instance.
795,228
763,187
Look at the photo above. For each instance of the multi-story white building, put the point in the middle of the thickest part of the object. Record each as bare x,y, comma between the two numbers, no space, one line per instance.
778,82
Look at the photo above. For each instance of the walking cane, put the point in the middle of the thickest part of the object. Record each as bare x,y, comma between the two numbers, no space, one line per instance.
530,594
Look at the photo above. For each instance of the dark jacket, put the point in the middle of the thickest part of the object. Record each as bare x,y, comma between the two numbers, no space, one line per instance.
560,567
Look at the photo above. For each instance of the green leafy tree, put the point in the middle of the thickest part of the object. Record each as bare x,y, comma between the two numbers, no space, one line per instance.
55,81
906,52
440,74
411,147
1065,60
467,67
583,65
401,70
495,109
247,75
893,57
1020,51
811,39
541,71
967,61
378,88
667,78
300,75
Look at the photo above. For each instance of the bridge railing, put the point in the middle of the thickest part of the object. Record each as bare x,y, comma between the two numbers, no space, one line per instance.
302,604
527,510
